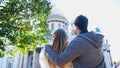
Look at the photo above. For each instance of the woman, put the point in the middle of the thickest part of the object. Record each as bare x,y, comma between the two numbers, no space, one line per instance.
59,42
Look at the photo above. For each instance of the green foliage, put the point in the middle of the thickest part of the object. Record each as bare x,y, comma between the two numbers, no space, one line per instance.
23,24
2,48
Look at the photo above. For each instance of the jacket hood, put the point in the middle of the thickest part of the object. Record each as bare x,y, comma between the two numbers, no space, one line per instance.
94,39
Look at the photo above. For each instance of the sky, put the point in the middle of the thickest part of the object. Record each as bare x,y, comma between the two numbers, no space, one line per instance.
104,14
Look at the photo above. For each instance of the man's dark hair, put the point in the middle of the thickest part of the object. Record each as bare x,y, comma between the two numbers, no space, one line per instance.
82,23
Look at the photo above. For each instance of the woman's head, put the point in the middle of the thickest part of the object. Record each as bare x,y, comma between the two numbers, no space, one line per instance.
59,39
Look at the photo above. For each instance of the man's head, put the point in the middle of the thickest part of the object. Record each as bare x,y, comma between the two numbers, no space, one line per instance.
115,63
81,24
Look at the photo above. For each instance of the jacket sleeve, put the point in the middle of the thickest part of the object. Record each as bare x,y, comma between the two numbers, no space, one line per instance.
71,52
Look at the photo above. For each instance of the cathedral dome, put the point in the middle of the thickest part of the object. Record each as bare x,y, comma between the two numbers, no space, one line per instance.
56,14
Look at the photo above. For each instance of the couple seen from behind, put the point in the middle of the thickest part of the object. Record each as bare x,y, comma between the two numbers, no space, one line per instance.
84,51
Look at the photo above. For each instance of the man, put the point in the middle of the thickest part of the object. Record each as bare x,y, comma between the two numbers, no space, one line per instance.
115,65
85,50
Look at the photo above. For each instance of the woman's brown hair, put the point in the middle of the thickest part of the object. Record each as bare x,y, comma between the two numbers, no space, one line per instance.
60,41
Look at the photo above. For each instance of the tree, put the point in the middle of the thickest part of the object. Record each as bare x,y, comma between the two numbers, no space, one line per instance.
23,25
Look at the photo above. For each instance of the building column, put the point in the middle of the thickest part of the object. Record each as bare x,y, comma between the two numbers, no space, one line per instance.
16,61
4,63
111,62
21,62
1,62
34,60
37,61
25,61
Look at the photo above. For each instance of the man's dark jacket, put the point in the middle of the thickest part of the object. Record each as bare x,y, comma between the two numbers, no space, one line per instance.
85,51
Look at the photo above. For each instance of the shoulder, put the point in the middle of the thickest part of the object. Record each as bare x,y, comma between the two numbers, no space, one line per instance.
75,44
77,39
42,53
78,42
43,59
42,56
